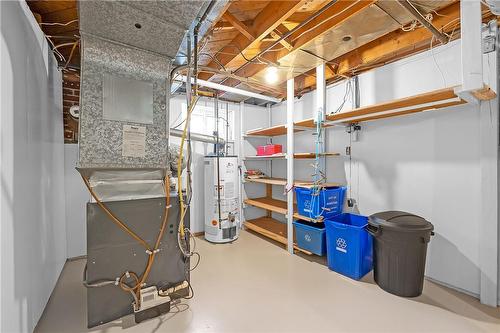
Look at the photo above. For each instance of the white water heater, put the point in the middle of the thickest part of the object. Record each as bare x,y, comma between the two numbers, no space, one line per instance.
222,220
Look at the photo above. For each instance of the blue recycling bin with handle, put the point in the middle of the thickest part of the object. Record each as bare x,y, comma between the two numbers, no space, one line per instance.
349,246
326,202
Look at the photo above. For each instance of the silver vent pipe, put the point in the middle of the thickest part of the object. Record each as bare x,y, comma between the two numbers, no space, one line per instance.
197,137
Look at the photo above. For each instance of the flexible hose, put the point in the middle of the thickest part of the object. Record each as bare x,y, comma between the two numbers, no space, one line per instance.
179,164
113,217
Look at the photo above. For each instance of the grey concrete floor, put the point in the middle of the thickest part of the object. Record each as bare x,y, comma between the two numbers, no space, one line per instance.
253,285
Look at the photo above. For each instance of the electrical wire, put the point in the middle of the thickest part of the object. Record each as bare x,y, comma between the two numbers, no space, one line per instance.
325,20
348,90
436,63
58,23
102,283
182,205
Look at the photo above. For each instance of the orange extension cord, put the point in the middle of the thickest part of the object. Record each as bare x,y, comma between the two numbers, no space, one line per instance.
151,252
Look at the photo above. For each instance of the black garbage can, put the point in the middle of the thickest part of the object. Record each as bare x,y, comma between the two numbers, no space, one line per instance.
399,251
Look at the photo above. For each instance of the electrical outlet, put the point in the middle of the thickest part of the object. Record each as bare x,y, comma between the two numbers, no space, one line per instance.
489,44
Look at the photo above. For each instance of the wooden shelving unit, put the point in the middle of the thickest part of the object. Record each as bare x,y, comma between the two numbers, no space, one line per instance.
434,100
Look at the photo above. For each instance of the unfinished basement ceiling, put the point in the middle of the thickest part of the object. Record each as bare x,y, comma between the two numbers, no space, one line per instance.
349,37
343,27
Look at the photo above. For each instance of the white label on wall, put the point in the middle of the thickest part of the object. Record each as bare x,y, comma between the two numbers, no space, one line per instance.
134,141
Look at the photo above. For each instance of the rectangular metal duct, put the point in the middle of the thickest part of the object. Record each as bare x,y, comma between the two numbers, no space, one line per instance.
107,141
157,26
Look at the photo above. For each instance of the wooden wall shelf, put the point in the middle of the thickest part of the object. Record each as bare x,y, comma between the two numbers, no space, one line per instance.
433,100
271,204
273,229
277,206
282,182
299,156
269,131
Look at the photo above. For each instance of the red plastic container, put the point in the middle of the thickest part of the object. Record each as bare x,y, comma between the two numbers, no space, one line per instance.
273,149
261,150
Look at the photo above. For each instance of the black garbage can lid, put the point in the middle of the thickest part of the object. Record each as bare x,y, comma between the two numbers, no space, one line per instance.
400,221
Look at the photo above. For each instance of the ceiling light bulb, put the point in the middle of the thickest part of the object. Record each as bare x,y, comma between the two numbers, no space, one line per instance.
272,74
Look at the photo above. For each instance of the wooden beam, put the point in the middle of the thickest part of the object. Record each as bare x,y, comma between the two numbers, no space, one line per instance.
328,20
264,23
280,31
395,42
240,26
223,25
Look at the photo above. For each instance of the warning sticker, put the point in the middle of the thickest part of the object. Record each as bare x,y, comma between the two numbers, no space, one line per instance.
134,141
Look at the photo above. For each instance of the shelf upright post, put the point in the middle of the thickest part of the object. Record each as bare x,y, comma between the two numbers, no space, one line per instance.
290,92
269,187
241,153
320,117
471,49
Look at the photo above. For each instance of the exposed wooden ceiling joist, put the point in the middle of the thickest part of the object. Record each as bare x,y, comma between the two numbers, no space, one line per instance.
270,17
240,26
329,19
390,47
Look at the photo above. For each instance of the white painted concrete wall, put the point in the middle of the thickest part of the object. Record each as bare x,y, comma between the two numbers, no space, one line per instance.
427,164
77,197
33,232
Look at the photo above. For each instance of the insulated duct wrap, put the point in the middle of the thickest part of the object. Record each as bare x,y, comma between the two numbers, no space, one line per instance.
102,137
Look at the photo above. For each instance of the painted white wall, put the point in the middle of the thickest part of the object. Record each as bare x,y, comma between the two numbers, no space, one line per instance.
427,164
33,232
77,197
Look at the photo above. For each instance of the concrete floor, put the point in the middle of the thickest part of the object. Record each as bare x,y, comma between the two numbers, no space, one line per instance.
253,285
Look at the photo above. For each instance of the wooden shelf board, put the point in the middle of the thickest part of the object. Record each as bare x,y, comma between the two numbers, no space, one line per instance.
311,184
268,157
313,155
272,229
277,206
268,227
282,182
298,156
270,131
433,100
270,181
273,205
306,218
